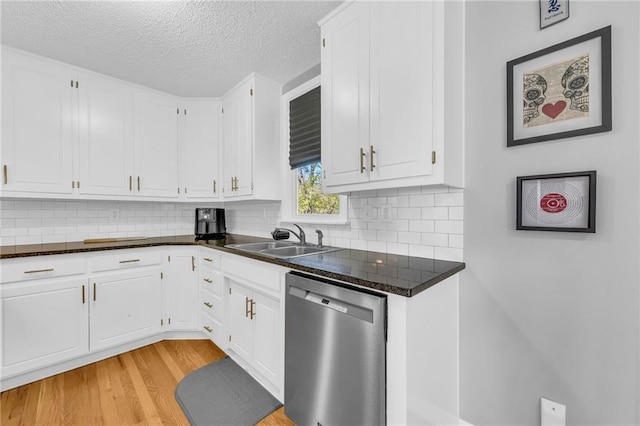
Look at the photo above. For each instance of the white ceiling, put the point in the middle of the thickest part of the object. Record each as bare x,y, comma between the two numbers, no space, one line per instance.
186,48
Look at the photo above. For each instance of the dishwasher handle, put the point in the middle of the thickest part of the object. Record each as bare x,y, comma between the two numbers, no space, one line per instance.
327,302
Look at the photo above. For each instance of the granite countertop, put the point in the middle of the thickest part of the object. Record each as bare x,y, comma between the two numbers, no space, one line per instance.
396,274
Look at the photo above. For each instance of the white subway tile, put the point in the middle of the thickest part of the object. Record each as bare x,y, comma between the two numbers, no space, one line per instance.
448,253
449,226
435,213
358,244
421,251
409,237
390,192
30,239
423,200
398,248
377,246
450,199
7,241
368,235
13,232
434,189
409,213
421,226
456,213
436,240
377,225
41,230
456,241
388,236
28,222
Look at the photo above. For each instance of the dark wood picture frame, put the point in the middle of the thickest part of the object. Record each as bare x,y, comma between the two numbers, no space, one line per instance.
552,202
598,100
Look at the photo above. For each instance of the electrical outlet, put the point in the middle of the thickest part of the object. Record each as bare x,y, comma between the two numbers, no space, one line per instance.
114,213
552,413
385,213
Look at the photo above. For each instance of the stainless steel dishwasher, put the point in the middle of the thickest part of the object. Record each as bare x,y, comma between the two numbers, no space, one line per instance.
335,353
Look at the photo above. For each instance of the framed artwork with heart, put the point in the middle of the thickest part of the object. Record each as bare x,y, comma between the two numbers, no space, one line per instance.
562,91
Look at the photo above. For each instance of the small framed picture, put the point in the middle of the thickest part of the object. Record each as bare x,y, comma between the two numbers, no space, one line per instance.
553,11
557,202
561,91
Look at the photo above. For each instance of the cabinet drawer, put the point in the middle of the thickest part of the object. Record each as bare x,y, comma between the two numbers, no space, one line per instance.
211,281
41,267
211,328
208,259
124,260
211,305
255,271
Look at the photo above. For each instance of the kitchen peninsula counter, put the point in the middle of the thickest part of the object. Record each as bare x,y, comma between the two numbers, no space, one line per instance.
402,275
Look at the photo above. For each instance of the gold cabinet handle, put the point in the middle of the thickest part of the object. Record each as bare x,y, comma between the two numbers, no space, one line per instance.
209,329
94,292
371,152
207,280
130,261
208,305
35,271
83,295
214,186
246,307
193,263
362,154
130,183
6,174
138,183
253,305
208,259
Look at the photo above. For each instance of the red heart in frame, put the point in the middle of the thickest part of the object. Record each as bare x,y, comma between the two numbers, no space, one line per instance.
553,110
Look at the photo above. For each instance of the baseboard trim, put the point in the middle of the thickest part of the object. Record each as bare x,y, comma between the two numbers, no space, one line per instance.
21,379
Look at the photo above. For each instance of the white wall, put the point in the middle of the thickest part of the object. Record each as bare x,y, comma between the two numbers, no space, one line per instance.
546,313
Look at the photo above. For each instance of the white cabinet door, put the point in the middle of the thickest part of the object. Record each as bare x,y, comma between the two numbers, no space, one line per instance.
199,149
125,306
401,90
43,322
237,122
106,136
267,347
345,96
156,145
240,322
37,125
181,291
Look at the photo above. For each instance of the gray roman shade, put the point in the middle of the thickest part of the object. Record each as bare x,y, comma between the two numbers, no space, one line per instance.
304,129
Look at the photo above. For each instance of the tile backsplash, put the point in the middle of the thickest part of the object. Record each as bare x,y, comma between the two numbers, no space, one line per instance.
420,221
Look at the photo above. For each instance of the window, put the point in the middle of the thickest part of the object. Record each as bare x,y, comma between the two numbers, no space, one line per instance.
301,142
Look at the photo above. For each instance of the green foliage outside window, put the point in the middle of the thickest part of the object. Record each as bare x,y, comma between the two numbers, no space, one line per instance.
311,200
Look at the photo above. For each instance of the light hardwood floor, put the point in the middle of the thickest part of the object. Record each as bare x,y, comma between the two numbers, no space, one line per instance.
135,388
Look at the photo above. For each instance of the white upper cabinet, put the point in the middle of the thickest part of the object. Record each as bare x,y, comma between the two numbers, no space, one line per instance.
383,105
199,149
38,100
250,125
105,147
345,96
156,144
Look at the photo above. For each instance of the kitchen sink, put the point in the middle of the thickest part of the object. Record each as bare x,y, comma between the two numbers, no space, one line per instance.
281,249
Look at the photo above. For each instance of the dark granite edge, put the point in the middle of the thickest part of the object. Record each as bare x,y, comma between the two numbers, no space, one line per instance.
70,248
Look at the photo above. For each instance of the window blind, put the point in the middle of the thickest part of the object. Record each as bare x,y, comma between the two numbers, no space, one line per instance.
304,129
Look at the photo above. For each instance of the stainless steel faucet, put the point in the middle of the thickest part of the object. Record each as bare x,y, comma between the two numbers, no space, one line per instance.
301,236
319,232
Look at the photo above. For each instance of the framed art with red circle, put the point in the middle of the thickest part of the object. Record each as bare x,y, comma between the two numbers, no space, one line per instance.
557,202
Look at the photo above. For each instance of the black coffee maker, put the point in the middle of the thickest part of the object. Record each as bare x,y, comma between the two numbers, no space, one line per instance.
210,224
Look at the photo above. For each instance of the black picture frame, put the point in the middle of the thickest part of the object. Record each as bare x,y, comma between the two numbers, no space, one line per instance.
562,202
566,113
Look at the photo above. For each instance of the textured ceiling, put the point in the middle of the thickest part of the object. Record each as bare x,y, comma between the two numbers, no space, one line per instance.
186,48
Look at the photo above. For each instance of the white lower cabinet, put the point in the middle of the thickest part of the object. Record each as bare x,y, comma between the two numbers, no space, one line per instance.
255,320
43,322
124,307
180,290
